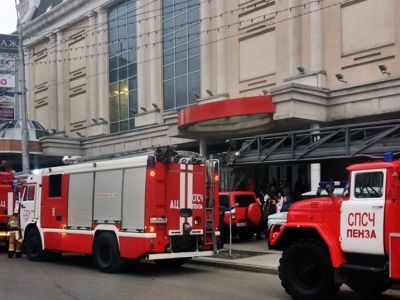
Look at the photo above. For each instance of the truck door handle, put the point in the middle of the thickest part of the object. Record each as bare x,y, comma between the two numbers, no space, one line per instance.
377,206
58,218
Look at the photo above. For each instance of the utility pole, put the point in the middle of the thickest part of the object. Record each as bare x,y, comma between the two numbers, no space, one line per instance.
22,97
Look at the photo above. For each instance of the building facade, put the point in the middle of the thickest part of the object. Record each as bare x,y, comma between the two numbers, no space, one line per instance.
111,77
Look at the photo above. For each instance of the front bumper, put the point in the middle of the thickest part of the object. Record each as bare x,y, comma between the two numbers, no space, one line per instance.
179,255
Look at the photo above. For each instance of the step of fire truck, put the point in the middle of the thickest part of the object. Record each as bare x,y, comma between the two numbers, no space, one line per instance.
210,229
363,268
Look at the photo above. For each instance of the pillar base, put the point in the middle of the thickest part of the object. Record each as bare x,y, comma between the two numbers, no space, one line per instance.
97,129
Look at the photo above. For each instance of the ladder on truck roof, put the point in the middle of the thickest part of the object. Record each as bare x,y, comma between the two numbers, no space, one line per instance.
209,207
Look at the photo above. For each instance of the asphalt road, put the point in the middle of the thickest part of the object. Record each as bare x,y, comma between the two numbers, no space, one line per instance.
75,277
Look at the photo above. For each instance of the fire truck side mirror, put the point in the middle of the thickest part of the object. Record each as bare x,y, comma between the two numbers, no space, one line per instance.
394,186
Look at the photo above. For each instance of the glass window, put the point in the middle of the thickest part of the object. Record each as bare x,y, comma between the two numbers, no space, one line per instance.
181,68
194,64
181,91
123,73
132,103
113,63
113,77
114,108
224,201
55,185
168,72
193,87
244,200
181,60
124,107
369,185
123,65
169,94
29,193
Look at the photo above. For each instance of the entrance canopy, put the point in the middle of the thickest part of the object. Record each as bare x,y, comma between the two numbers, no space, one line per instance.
226,118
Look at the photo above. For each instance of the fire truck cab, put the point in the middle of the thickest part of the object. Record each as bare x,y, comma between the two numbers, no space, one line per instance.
159,206
8,197
353,239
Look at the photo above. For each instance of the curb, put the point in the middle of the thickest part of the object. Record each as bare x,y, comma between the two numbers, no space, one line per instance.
249,268
235,266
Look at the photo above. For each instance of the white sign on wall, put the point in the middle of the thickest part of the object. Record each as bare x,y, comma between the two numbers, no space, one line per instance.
7,81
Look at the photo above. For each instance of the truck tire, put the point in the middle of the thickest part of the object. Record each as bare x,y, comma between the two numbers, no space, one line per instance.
368,283
306,272
106,253
253,214
33,245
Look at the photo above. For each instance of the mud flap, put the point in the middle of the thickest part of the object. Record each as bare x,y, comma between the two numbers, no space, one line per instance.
394,258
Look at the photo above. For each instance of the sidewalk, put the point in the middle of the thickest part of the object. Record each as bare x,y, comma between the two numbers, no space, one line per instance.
252,256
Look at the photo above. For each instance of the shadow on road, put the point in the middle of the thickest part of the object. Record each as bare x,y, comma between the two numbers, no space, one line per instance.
129,267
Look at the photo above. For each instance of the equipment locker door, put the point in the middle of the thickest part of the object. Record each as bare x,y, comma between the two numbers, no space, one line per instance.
185,196
54,201
362,216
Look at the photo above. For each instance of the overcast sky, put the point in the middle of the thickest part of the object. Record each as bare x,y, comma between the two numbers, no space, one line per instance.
8,16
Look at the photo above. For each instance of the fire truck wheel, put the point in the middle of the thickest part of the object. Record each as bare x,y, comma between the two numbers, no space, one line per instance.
33,246
368,283
306,272
106,253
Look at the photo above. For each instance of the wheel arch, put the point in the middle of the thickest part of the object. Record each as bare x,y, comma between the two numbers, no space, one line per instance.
290,234
98,232
33,226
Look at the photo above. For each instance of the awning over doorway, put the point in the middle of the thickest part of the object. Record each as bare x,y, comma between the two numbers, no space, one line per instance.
226,118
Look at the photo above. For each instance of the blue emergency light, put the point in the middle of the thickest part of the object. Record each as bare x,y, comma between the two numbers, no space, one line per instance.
388,156
336,184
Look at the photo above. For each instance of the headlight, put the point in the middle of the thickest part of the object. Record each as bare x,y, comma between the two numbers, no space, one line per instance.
197,220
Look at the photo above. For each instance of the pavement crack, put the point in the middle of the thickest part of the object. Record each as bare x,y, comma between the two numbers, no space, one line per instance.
66,292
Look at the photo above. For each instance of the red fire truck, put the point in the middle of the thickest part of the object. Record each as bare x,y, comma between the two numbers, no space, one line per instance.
354,239
7,201
160,206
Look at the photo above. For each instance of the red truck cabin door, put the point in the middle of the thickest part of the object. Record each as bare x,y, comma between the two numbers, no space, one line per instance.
362,216
54,201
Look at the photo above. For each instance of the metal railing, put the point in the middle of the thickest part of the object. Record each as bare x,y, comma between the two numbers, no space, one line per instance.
344,141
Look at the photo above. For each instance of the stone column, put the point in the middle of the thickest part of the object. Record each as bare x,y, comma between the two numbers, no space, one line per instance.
155,54
29,99
205,49
316,37
294,50
60,84
203,147
92,69
30,79
52,85
102,65
142,41
221,47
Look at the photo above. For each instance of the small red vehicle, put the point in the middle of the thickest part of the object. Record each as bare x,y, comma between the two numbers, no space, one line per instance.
243,209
